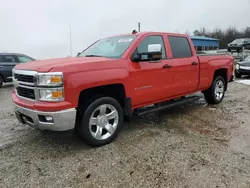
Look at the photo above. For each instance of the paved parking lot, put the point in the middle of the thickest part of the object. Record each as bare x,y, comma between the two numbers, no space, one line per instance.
190,146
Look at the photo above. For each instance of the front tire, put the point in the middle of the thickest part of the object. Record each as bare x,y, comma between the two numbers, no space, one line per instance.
101,122
215,94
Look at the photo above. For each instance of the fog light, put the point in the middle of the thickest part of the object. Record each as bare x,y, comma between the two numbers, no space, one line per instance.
45,119
49,118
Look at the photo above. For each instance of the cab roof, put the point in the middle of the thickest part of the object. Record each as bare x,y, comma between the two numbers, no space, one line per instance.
147,32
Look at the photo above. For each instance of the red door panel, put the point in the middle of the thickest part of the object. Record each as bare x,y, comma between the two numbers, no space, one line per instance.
185,75
150,82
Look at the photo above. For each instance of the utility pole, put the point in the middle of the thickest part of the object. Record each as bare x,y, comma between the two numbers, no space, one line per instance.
70,40
139,27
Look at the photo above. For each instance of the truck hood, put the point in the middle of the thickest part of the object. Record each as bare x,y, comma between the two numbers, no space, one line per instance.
48,64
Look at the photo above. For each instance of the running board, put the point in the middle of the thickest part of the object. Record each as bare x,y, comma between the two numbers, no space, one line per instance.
164,106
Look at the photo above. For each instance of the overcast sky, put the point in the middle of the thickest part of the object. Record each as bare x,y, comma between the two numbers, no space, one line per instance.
40,28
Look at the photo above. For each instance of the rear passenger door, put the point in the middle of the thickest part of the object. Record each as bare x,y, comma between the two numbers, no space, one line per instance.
185,66
7,63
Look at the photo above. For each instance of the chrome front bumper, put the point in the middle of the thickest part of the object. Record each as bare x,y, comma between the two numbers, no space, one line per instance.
62,120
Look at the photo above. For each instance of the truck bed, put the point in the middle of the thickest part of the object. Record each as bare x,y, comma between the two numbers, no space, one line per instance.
209,63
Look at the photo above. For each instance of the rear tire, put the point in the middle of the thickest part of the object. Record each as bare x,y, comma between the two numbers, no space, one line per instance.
237,75
1,81
215,94
101,121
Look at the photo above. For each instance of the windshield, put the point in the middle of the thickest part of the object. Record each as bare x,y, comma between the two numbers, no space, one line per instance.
247,58
113,47
238,41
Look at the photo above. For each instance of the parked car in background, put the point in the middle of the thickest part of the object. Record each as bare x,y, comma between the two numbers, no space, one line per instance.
7,63
242,67
239,45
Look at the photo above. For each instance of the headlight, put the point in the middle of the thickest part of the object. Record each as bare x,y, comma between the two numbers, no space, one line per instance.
50,79
55,94
237,66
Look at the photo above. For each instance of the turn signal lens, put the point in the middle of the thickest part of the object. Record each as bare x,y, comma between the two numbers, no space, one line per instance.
50,79
56,79
57,94
51,94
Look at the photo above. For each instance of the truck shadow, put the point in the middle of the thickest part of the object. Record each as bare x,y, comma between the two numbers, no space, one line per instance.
164,118
69,143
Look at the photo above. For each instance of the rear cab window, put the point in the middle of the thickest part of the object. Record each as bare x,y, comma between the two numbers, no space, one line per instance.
180,47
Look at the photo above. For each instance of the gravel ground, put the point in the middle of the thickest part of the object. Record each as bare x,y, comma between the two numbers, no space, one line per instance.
190,146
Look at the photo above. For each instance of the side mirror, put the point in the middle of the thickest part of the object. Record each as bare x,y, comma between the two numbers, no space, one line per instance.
136,57
153,53
154,48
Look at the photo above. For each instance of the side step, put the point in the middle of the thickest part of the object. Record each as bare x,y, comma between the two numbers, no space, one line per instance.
166,105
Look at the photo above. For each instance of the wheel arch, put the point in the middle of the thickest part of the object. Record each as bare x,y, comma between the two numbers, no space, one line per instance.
223,73
116,91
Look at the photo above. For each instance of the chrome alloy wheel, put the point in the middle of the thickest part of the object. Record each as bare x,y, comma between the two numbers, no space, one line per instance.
103,121
219,90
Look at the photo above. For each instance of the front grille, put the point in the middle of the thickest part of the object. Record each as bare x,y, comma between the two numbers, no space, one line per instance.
24,78
26,92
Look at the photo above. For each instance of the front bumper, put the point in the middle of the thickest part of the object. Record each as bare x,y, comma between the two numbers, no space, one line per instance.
234,47
243,71
62,120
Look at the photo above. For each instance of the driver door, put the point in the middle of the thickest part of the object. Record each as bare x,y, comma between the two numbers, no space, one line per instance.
150,80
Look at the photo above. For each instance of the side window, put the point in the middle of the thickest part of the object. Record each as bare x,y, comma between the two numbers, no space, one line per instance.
1,59
9,59
23,59
180,47
143,47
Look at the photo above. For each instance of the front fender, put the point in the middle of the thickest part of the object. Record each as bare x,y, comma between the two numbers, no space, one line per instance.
79,81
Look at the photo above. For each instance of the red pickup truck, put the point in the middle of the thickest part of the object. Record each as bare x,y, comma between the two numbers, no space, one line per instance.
113,79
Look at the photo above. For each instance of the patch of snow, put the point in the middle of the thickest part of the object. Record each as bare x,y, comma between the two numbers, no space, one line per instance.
246,82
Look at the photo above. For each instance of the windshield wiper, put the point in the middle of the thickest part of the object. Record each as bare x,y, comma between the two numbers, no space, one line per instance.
93,56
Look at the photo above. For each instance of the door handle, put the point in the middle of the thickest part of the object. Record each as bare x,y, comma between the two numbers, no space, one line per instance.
1,66
194,63
167,66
